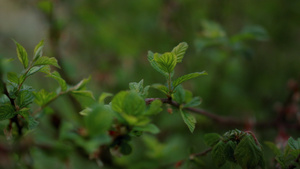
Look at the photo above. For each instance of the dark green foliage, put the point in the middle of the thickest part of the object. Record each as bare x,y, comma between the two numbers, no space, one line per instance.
235,147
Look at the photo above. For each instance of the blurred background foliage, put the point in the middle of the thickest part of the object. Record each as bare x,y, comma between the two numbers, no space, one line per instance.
249,48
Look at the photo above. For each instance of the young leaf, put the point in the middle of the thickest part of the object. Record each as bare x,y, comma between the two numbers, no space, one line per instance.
22,55
294,144
43,97
31,122
189,120
179,51
193,103
34,70
179,95
218,154
166,62
85,93
211,139
44,60
38,50
154,64
155,108
161,88
99,120
82,84
103,96
247,153
117,103
7,111
151,128
229,151
184,78
85,111
55,75
134,104
139,88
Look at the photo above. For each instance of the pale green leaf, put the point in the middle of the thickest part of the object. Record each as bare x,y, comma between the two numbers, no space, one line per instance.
154,108
85,111
22,54
117,102
33,70
294,144
151,128
38,50
82,84
25,97
139,88
43,97
85,93
161,88
189,120
134,104
166,62
103,96
98,120
211,139
55,75
154,64
44,60
184,78
179,51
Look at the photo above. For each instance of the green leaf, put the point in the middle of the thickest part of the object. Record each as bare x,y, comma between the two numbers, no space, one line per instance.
189,120
154,64
117,102
34,70
134,104
229,151
31,122
85,111
179,51
38,50
166,62
22,55
184,78
218,154
7,111
25,97
151,128
273,147
55,75
193,103
125,148
139,88
161,88
179,95
82,84
211,139
154,108
103,96
99,120
44,60
43,97
247,153
85,93
13,77
294,144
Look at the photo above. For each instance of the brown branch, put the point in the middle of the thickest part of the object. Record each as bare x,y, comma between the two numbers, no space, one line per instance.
229,121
